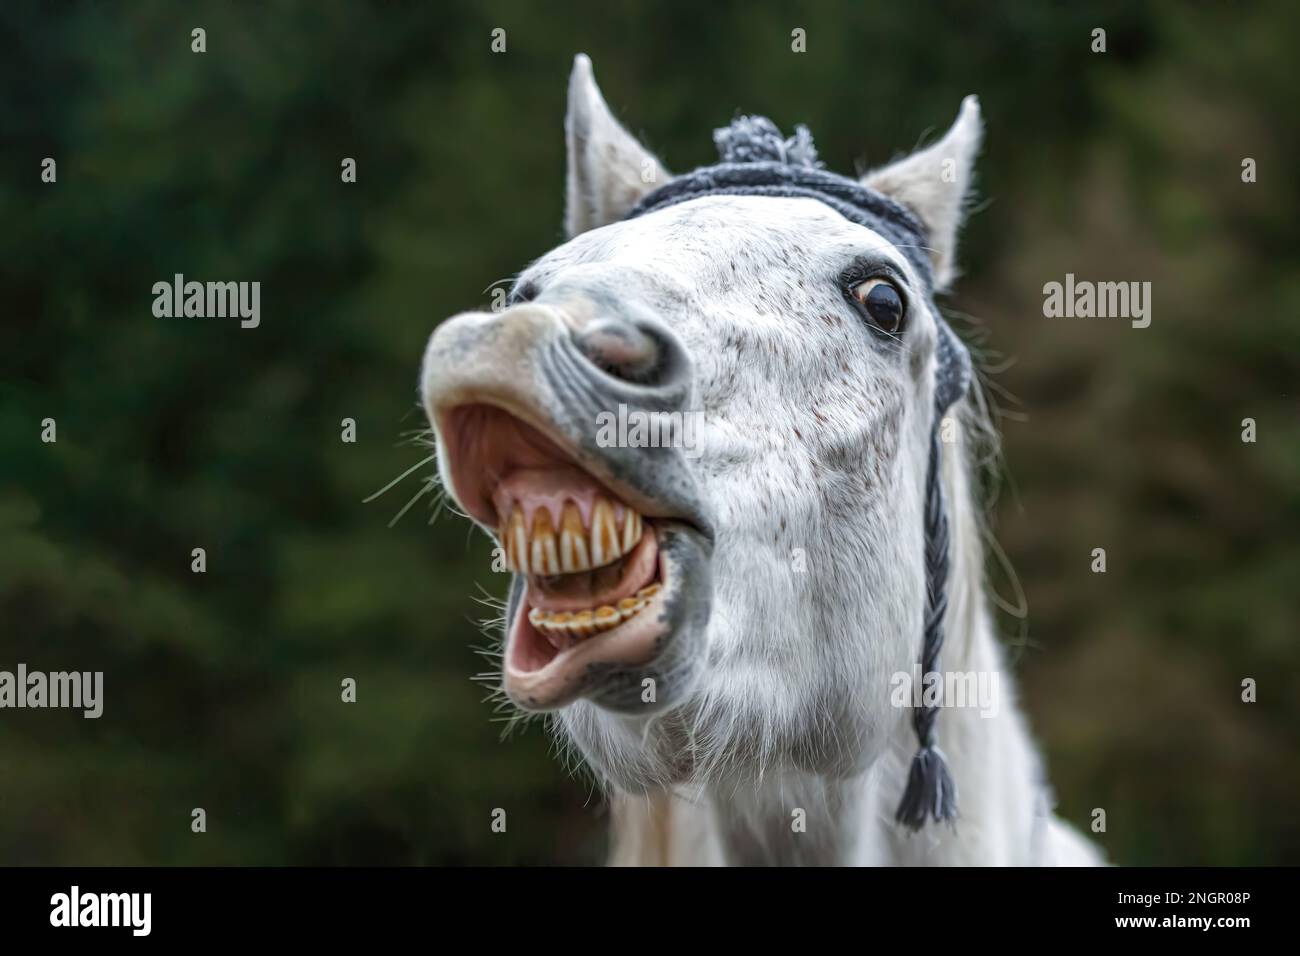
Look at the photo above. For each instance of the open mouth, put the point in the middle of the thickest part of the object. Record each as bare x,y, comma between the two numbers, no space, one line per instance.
591,563
594,576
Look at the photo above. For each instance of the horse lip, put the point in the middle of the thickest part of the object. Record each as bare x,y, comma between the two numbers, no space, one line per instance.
588,669
565,677
648,505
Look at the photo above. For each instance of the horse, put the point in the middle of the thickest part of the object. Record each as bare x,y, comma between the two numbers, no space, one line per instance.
723,628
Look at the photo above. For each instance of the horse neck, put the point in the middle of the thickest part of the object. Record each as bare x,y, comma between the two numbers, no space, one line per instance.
852,821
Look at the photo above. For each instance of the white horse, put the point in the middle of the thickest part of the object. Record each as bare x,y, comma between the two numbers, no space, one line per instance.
722,630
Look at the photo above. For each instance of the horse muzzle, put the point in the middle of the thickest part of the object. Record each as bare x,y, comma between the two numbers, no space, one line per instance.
561,428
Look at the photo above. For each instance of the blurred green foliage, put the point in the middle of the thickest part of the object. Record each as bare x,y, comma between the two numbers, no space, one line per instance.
223,688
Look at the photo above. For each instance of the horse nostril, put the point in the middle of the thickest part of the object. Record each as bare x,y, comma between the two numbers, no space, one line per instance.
621,349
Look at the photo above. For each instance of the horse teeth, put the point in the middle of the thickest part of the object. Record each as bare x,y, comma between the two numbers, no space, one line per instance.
588,622
631,530
605,546
517,542
629,607
573,547
573,541
545,556
582,624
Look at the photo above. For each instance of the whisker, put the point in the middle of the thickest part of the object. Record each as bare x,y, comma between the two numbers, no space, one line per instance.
413,468
418,436
428,487
439,504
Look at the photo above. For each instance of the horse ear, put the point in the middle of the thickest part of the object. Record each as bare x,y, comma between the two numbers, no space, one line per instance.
933,183
608,170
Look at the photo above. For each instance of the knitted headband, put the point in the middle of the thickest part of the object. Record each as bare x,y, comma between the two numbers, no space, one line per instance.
756,160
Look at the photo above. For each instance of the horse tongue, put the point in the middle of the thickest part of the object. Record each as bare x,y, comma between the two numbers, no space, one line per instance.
604,586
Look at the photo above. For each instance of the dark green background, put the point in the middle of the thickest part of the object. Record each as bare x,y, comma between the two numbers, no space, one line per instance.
223,689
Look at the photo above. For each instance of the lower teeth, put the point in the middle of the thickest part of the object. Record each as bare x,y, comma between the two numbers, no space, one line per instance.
593,620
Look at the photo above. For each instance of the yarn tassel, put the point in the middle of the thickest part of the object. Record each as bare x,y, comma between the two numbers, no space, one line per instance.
930,792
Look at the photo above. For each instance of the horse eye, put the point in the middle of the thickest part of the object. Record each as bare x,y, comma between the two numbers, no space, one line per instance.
883,304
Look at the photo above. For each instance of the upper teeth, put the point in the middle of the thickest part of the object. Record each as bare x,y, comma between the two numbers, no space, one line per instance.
540,550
